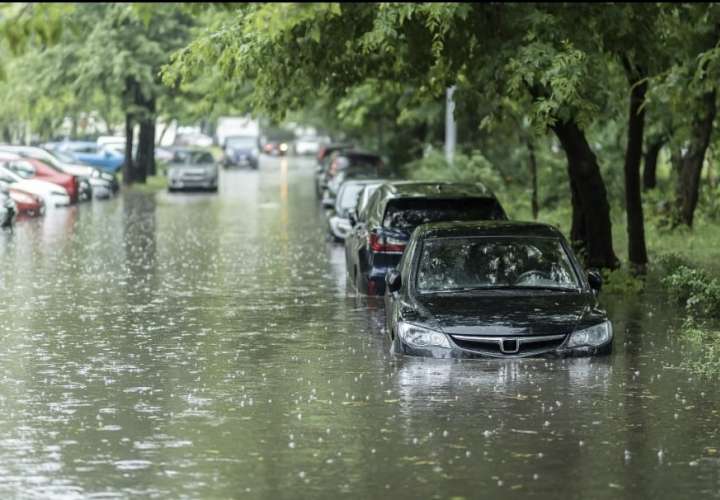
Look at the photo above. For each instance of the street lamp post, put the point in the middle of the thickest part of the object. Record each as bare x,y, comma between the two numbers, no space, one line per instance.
450,125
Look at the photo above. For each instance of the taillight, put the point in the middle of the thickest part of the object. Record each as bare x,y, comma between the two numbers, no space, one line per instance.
385,244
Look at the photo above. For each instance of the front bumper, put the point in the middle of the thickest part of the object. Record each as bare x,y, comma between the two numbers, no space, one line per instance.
456,352
185,183
241,161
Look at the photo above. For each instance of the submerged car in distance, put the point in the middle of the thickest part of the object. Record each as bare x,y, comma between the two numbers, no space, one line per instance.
494,290
346,202
383,227
241,151
323,159
51,194
192,169
309,144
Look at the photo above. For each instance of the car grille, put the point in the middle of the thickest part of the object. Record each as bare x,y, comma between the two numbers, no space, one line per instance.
509,346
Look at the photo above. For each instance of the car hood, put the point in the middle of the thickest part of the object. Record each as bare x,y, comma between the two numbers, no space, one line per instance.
77,169
39,187
532,313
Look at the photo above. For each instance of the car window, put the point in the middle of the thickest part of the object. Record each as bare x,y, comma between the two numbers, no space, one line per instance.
22,168
192,157
408,213
348,197
450,264
370,206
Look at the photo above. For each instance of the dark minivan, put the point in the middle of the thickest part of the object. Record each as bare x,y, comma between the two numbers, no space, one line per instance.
381,231
494,289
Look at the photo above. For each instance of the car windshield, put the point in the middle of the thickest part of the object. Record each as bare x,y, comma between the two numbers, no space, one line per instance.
192,157
408,213
457,264
241,142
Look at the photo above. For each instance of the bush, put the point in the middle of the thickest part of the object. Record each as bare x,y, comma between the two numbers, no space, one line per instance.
669,263
699,293
465,168
621,281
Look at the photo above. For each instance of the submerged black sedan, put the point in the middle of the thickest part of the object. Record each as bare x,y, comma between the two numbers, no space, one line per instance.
493,289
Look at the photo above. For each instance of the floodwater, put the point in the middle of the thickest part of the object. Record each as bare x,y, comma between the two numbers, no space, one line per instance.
205,346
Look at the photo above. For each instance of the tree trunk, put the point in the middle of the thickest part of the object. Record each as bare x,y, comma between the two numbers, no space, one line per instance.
591,212
692,161
637,252
650,163
532,161
128,166
146,141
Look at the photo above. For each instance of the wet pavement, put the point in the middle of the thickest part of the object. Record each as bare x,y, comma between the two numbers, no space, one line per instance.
205,346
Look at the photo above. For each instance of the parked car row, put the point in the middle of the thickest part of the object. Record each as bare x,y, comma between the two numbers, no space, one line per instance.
33,180
459,279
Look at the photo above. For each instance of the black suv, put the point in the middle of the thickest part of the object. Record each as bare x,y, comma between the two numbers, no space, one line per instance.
381,231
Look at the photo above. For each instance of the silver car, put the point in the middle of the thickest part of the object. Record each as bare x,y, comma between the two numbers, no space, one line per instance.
192,169
348,197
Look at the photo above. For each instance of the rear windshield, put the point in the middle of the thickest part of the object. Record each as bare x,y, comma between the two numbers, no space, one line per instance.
409,213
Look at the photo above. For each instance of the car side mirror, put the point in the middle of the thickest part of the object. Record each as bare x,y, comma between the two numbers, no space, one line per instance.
393,281
595,280
352,215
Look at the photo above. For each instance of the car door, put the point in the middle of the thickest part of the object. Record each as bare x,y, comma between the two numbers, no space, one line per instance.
357,237
392,300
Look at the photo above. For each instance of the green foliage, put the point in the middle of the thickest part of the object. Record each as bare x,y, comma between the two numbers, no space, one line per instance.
704,339
620,281
699,293
470,168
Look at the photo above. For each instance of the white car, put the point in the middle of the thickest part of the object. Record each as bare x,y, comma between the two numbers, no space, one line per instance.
308,145
52,194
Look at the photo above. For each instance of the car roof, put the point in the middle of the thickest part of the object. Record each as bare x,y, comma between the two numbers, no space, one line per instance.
425,189
454,229
362,182
8,155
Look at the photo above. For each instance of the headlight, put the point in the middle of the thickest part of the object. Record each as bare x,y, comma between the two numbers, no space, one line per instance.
421,337
594,336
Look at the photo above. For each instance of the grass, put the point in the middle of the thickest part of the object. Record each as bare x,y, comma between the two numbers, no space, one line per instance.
153,184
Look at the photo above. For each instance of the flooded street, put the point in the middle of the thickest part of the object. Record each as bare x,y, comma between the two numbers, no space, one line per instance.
205,346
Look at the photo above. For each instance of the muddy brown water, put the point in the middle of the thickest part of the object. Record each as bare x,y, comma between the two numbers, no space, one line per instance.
205,346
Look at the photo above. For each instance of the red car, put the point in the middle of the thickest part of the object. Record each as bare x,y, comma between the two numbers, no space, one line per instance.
27,203
30,168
